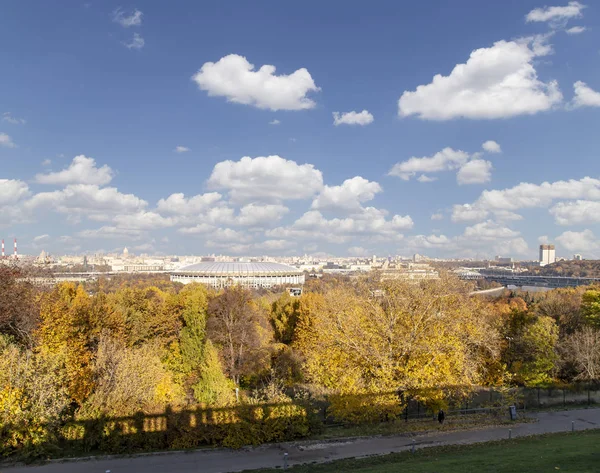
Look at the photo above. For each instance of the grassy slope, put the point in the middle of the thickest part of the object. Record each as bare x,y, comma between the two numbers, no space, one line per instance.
571,452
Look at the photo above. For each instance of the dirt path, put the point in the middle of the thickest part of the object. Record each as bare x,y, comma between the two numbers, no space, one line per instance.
271,456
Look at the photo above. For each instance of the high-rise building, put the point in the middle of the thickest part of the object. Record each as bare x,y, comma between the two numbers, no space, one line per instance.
547,255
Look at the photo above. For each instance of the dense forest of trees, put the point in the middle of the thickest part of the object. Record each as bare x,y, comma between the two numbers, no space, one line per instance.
123,346
578,269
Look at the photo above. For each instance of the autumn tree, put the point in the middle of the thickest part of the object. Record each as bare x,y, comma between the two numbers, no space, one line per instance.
564,306
239,329
410,336
582,350
19,314
66,330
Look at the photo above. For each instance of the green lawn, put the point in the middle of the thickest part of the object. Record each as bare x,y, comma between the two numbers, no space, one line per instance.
569,452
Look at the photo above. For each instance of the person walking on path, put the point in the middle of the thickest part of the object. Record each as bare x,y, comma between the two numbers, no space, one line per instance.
441,416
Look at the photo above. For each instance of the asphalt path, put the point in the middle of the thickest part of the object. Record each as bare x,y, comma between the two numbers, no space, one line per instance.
272,456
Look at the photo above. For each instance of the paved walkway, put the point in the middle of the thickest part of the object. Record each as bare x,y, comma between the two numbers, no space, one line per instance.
271,456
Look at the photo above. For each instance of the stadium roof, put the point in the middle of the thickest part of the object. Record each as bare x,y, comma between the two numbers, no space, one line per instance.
239,268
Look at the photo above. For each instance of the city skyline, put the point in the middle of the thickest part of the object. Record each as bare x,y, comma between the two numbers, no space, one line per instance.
452,131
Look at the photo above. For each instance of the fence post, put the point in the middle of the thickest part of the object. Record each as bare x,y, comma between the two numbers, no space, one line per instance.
539,404
564,399
406,413
285,461
589,400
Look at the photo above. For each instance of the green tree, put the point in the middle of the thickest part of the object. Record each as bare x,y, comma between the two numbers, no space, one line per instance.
530,350
590,307
213,387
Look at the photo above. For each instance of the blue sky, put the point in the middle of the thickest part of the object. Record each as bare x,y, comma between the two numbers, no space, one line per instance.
96,97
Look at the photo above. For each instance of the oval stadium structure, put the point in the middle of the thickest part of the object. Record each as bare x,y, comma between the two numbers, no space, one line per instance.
249,275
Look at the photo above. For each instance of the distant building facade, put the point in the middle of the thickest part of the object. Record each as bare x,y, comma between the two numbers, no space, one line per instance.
547,255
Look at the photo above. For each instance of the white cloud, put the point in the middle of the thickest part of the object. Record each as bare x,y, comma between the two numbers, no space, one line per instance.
347,197
143,220
426,178
275,245
428,241
556,14
447,159
254,214
82,170
467,212
7,117
527,195
6,141
437,216
477,171
576,30
274,122
46,162
584,96
352,118
543,240
270,178
180,205
127,20
495,82
12,190
491,147
111,232
234,77
87,200
181,149
137,42
579,241
358,251
489,230
201,228
41,238
371,223
576,213
227,235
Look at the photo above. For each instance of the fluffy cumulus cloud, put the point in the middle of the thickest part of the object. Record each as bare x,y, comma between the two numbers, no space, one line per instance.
577,212
347,197
445,160
266,178
477,171
264,215
576,30
181,149
491,147
584,241
352,118
527,195
87,200
179,204
471,169
484,239
143,220
83,170
584,96
556,13
467,213
6,141
234,78
127,20
12,190
371,224
495,82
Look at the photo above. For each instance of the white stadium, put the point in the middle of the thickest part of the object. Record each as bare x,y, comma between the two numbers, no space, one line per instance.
249,275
